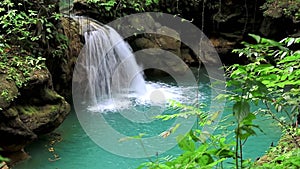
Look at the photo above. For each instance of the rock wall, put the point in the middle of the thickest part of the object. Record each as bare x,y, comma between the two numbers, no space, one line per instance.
161,48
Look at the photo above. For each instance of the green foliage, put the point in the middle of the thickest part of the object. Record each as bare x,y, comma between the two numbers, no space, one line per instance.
114,8
26,28
200,149
5,94
202,155
205,155
3,159
284,155
118,8
20,66
279,8
286,160
273,78
186,111
26,36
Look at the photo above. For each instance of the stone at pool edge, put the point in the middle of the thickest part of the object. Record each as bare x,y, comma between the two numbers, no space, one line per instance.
37,110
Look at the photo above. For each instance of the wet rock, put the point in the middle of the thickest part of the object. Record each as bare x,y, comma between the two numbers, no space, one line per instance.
278,28
82,8
37,110
29,105
15,157
222,45
135,25
155,45
159,51
62,68
186,56
168,39
219,19
8,90
142,33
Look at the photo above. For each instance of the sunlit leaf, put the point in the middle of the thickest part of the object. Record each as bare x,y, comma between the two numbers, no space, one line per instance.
185,143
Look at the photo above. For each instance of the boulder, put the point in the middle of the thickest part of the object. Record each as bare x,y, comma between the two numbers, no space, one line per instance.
36,110
8,90
156,46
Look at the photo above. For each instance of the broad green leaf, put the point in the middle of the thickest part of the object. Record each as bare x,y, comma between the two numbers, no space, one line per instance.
185,143
192,135
248,120
256,37
290,58
241,110
205,159
271,42
290,41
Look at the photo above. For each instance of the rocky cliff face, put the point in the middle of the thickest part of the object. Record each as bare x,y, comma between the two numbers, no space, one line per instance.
39,105
62,68
152,45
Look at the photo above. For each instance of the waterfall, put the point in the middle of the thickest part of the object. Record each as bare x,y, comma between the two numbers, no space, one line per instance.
106,66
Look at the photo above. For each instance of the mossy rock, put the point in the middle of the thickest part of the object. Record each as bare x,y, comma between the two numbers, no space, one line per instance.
8,91
10,112
27,110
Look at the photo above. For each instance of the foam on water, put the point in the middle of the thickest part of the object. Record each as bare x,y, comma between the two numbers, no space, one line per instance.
107,77
157,94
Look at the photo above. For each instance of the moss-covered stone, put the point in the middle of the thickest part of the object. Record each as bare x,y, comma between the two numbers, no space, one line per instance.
29,106
11,112
37,110
27,110
8,91
288,147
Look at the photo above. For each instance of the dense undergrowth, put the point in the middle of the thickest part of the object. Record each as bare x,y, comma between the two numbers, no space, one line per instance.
28,36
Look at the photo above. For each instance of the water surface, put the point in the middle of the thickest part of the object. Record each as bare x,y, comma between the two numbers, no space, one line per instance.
77,150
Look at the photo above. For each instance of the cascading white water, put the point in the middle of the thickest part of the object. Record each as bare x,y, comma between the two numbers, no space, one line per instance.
107,78
108,68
